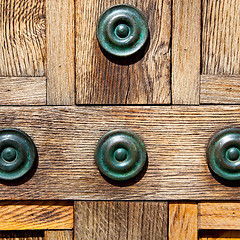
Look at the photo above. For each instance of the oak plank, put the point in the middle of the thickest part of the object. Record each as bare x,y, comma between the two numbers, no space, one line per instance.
219,235
120,220
22,235
22,38
219,215
22,91
31,215
186,45
135,80
183,221
58,235
219,89
221,37
60,52
176,138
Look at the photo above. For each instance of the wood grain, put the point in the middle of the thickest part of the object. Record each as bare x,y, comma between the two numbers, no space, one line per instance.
175,137
219,215
60,52
219,235
31,215
22,38
183,221
186,43
22,235
221,37
58,235
120,220
218,89
22,91
141,79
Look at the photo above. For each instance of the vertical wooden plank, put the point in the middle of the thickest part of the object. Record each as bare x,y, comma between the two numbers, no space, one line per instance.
186,42
58,235
22,38
60,52
120,220
142,79
183,221
221,37
22,235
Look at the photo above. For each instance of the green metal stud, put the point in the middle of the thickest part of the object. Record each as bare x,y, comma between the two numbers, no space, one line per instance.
122,30
120,155
223,154
17,154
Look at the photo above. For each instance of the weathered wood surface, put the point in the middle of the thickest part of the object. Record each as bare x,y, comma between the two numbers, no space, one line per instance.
221,37
60,52
183,221
58,235
186,45
22,38
120,220
219,215
22,91
28,215
175,137
218,89
22,235
219,235
139,80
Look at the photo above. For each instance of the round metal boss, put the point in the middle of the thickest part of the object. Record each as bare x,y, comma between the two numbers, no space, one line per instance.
223,154
120,155
17,154
122,30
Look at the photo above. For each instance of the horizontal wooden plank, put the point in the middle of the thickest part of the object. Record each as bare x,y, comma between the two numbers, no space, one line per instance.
175,137
23,91
219,89
219,215
26,215
58,235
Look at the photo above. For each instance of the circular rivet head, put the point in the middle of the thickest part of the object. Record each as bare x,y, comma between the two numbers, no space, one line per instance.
122,30
223,154
17,154
120,155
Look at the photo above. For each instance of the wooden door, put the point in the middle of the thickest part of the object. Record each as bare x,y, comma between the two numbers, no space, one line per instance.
65,92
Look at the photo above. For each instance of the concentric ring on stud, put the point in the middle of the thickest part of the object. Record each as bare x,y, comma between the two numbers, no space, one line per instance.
126,143
224,163
16,165
122,30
